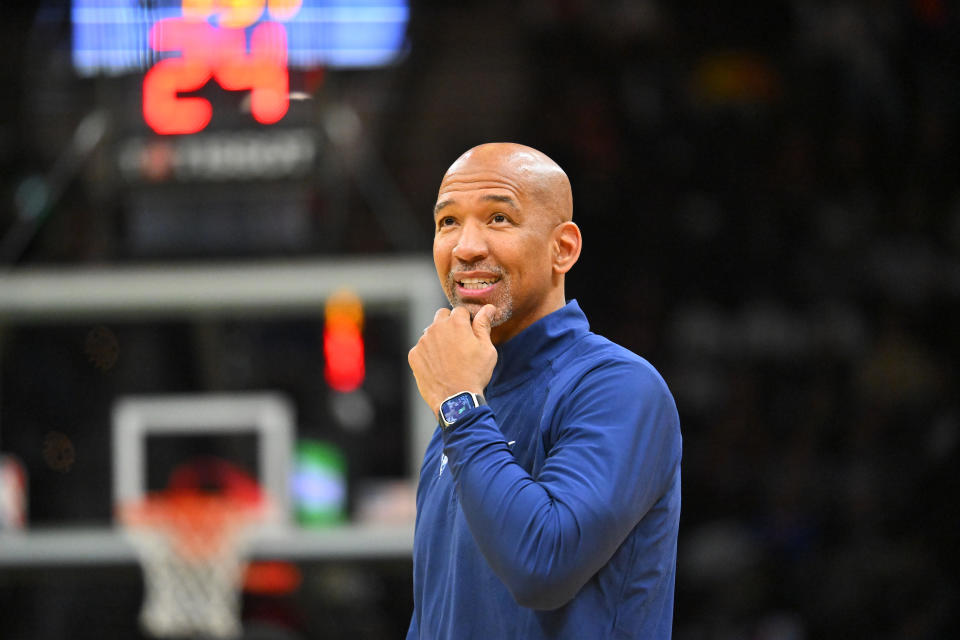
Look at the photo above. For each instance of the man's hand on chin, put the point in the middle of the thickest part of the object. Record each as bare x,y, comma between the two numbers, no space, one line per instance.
454,355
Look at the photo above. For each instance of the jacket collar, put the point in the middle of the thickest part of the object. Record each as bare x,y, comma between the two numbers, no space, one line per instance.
533,348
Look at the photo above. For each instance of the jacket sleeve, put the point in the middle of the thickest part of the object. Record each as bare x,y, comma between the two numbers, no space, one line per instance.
616,452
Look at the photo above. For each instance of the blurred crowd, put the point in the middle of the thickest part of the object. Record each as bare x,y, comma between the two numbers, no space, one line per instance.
782,238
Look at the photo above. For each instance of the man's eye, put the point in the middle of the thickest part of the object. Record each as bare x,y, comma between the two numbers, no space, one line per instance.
499,217
446,222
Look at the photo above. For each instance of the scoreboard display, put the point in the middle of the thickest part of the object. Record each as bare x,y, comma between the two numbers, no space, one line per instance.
227,124
239,45
112,37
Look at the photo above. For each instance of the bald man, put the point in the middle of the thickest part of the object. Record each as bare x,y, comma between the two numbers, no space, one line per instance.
549,497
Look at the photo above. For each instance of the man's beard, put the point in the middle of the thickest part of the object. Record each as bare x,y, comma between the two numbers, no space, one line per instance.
503,301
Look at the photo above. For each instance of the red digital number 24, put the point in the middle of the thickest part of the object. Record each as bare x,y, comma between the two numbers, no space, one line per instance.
219,53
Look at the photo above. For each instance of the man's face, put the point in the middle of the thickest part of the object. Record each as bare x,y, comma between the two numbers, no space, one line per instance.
492,245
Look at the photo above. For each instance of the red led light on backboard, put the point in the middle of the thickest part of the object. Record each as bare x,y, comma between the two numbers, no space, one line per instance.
343,350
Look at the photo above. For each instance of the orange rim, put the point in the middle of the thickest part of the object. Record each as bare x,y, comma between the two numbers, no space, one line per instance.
198,522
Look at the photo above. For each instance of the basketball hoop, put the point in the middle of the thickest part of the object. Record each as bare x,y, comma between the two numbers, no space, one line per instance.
193,548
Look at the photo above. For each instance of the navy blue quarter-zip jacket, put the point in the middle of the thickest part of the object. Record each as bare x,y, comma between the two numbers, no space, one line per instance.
553,511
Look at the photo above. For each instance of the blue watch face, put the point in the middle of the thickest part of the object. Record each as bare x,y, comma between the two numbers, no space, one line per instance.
453,408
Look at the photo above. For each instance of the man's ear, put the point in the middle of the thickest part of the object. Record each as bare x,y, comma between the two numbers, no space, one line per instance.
567,243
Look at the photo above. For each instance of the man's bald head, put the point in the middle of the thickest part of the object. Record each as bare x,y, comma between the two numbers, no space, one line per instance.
533,172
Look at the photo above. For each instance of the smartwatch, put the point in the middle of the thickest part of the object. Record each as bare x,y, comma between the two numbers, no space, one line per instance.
456,405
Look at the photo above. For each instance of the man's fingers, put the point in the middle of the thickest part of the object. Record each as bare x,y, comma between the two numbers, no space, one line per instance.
483,321
461,313
441,313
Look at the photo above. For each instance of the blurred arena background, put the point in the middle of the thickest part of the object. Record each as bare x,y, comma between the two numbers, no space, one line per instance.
769,199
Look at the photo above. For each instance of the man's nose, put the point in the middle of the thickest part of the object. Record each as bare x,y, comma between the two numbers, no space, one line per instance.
471,244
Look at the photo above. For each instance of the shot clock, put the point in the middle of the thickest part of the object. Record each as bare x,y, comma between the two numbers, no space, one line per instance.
183,46
214,53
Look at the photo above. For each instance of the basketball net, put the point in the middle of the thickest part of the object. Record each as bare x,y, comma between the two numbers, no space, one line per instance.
193,547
